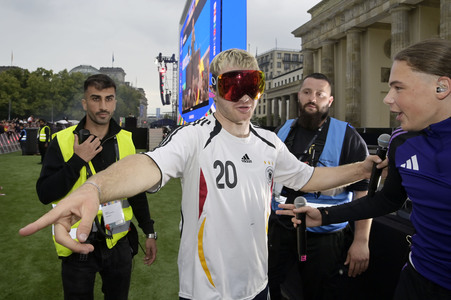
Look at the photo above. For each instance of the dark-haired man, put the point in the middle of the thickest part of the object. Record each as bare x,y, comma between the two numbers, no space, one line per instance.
320,141
75,154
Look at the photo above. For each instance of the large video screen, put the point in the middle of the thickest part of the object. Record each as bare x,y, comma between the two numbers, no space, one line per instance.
209,27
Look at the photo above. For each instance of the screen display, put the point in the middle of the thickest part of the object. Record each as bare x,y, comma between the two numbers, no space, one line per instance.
209,27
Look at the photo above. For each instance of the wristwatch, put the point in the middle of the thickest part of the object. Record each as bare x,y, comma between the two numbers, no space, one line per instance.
152,235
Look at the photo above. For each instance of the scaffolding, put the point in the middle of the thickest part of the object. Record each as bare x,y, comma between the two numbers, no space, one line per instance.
168,75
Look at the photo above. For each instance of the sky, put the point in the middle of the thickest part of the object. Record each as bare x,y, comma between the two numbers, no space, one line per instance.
63,34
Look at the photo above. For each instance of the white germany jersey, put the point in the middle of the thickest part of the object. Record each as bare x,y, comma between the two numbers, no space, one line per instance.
227,185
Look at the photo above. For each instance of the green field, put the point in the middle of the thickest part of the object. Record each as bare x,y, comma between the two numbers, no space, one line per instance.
29,267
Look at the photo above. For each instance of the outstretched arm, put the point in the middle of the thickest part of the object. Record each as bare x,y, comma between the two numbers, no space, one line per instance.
125,178
389,199
328,178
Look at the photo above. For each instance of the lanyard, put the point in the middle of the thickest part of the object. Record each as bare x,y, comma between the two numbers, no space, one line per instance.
305,153
306,150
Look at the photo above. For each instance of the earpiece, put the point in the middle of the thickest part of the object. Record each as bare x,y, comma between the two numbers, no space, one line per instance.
441,89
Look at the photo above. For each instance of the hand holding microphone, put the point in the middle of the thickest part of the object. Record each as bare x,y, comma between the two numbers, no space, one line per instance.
301,229
383,141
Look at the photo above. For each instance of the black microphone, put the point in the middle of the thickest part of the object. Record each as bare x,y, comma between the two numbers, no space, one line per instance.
383,140
301,229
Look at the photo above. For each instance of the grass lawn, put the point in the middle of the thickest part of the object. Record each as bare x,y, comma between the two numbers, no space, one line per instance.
29,267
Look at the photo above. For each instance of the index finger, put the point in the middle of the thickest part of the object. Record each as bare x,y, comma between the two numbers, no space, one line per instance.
383,164
44,221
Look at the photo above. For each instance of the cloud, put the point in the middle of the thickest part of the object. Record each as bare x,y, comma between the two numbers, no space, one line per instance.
59,35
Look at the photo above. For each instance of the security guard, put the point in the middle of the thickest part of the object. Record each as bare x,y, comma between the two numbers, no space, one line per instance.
43,138
75,154
23,139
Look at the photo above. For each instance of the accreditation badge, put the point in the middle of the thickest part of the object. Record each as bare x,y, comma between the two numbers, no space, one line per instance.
113,215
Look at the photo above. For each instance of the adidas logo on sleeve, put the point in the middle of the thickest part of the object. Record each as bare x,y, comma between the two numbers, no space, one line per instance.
411,164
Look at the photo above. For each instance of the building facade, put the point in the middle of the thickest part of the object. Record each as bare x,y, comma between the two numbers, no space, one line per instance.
85,69
118,74
353,43
281,67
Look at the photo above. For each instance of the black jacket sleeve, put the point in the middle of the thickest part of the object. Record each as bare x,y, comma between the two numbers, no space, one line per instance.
389,199
140,208
48,137
57,177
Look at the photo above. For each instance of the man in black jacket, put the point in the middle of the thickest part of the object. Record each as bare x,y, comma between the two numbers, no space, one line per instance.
75,154
43,138
320,141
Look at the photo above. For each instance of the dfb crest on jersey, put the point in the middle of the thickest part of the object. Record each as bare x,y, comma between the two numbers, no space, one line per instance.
269,173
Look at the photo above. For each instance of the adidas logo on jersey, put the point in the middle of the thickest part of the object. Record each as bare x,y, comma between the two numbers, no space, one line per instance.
411,164
246,159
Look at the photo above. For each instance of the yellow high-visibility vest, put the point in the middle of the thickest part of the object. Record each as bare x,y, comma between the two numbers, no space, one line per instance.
42,136
126,147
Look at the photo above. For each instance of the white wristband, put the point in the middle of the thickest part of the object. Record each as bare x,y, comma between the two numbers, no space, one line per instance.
97,187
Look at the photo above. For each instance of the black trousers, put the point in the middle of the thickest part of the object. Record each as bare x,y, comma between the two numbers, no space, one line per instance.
322,276
413,286
114,266
42,150
23,147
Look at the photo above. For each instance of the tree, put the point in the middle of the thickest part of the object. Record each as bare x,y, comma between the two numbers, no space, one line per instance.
55,96
38,93
67,92
12,82
9,94
128,100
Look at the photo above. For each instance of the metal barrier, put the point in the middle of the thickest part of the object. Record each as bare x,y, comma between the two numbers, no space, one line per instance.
9,142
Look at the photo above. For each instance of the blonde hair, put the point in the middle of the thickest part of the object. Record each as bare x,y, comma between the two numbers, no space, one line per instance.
233,57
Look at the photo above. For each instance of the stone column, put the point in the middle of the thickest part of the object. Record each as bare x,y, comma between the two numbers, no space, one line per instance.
283,114
399,28
293,106
268,112
445,19
353,77
308,62
276,113
327,60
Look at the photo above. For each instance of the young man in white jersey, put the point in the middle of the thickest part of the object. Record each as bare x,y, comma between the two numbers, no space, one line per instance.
228,168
